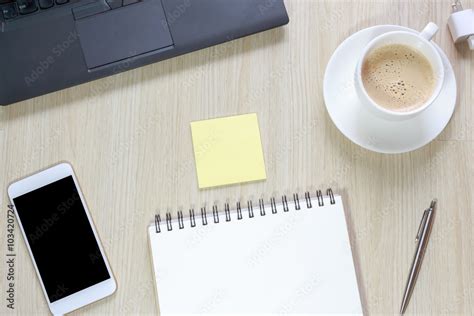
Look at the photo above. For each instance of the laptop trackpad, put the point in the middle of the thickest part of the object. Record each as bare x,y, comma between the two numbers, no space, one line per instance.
123,33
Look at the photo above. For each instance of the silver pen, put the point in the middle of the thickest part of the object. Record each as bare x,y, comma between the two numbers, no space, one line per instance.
422,238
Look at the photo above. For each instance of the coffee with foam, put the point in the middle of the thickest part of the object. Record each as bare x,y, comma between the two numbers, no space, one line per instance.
398,77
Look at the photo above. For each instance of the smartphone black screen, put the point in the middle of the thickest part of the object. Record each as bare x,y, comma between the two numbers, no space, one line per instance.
61,238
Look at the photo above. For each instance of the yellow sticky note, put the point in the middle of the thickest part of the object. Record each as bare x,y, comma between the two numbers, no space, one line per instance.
228,150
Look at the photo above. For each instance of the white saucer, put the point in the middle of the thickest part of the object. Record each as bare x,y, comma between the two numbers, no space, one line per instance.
359,124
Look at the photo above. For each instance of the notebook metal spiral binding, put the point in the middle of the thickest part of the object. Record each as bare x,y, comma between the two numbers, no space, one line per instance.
250,212
296,199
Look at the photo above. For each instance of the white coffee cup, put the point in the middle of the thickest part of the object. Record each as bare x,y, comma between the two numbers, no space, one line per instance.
420,42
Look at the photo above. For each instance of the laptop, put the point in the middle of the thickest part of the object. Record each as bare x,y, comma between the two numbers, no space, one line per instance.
49,45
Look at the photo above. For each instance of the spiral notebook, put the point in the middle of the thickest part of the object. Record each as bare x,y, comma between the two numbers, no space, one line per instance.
290,256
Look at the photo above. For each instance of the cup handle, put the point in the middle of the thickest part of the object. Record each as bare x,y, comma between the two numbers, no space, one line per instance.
429,31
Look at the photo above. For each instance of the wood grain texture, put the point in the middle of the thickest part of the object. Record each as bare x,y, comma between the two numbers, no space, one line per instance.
128,138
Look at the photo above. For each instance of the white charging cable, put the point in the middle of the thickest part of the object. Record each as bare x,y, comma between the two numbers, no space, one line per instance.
461,24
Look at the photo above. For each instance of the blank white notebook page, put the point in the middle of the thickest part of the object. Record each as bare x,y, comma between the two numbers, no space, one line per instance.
293,262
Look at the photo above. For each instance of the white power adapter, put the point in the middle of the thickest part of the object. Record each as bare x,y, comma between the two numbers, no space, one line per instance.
461,24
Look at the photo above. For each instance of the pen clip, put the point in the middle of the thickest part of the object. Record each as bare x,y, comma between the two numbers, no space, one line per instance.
422,224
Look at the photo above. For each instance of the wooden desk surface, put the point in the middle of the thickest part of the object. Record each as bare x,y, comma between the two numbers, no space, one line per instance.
128,138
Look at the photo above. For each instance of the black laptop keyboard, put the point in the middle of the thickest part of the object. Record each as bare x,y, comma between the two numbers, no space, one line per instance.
12,9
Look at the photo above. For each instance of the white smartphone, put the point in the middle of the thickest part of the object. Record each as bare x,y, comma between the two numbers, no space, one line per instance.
61,239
